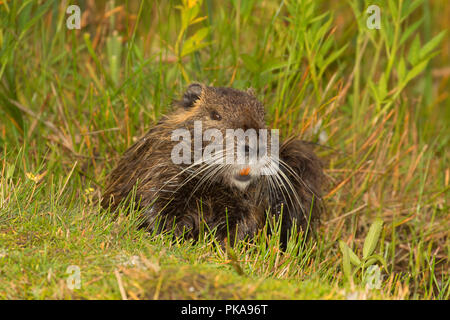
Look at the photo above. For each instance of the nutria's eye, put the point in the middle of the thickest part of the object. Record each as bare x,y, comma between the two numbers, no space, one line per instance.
215,115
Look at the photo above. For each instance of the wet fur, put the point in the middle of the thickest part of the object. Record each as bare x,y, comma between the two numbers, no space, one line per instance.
147,166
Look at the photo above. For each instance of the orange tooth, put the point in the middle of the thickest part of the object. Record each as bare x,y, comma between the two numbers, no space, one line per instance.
245,171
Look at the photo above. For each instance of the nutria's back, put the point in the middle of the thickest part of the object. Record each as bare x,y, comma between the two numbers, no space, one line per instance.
185,170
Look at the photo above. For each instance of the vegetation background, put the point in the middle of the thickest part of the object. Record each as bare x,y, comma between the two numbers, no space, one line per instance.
376,101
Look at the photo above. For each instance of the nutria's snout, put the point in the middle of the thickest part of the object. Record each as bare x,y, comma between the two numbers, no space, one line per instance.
242,174
238,174
244,177
254,161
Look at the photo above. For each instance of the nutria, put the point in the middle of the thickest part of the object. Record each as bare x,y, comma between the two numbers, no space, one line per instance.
233,199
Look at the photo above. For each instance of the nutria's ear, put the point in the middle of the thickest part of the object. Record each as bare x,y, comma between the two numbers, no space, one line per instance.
191,95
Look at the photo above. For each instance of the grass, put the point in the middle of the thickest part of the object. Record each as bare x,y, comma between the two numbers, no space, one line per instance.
376,101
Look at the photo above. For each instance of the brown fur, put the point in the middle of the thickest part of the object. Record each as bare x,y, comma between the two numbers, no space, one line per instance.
147,166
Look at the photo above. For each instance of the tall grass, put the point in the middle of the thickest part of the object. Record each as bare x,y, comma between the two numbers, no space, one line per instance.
375,101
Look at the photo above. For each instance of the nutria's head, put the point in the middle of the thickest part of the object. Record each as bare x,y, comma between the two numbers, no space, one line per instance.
235,143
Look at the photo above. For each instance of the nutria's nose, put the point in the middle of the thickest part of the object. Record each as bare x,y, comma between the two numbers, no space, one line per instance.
250,151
